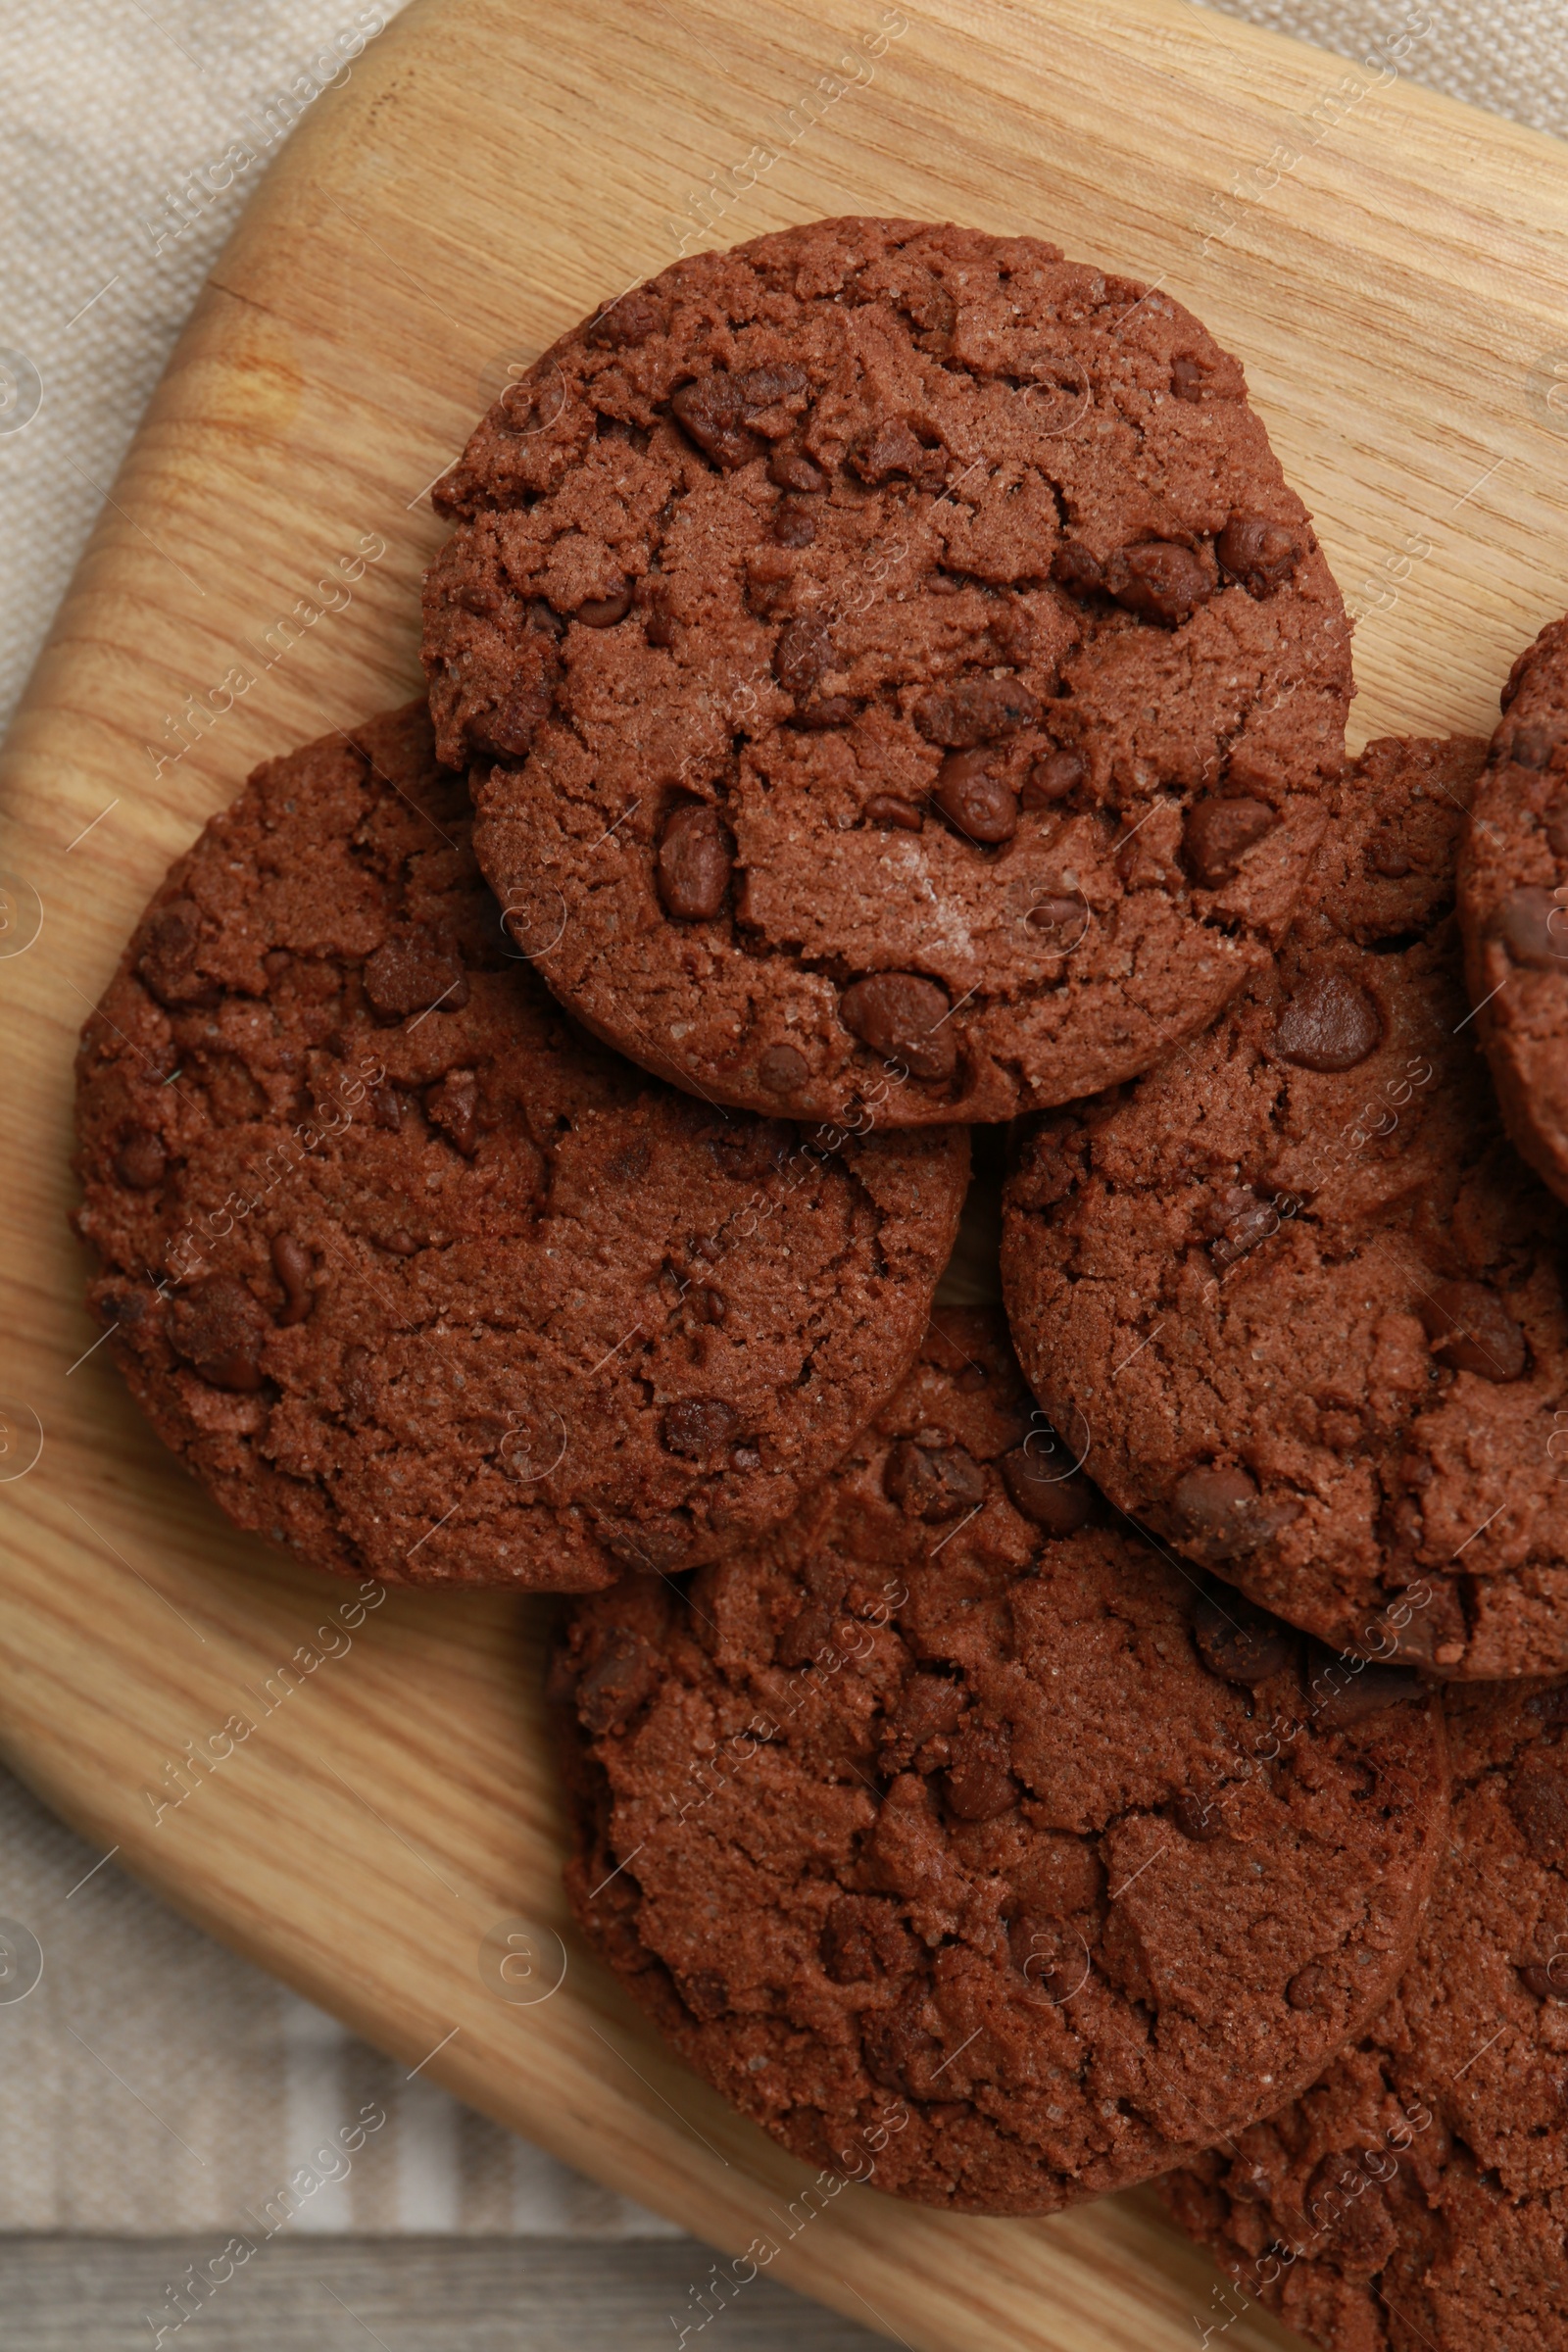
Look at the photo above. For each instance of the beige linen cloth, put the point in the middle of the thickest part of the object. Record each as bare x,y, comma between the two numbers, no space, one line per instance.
151,2082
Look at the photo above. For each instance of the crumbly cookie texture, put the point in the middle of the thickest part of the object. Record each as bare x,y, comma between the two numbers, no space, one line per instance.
415,1277
1301,1290
955,1832
895,670
1513,907
1416,2198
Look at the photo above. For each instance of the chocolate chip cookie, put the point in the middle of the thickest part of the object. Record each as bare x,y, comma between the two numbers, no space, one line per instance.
1416,2198
418,1279
1300,1287
968,1845
898,679
1513,907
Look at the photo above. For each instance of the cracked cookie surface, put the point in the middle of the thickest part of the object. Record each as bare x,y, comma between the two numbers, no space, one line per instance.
1513,907
895,672
1307,1297
415,1277
954,1801
1417,2197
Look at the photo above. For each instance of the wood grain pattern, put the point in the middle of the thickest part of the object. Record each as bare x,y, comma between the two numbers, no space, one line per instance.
492,168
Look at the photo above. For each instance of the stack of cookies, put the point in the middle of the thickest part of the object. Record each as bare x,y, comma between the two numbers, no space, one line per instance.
882,687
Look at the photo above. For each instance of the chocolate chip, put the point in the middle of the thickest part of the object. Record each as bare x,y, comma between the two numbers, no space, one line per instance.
1052,778
978,1785
1060,923
974,711
892,447
602,611
218,1328
139,1161
1219,1509
704,1994
712,412
415,975
1537,1799
932,1483
479,596
1239,1220
1217,832
715,1309
1389,861
291,1263
1328,1022
695,859
1188,376
833,710
790,468
386,1107
629,320
697,1425
805,650
617,1682
1238,1641
976,803
1533,925
1469,1324
1198,1818
808,1638
454,1107
903,1016
359,1385
1548,1981
1310,1988
781,1071
1158,579
886,809
1531,747
1076,568
793,524
631,1164
1058,1505
167,965
764,387
1260,554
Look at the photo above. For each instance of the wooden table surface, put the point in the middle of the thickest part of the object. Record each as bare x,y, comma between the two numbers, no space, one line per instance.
1388,266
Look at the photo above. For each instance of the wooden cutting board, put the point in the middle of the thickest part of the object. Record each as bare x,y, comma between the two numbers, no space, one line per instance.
1388,264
